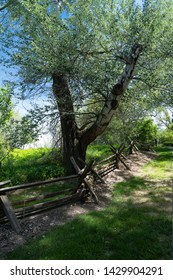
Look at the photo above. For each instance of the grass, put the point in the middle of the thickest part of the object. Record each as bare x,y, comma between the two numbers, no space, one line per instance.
25,194
162,166
126,229
98,152
23,166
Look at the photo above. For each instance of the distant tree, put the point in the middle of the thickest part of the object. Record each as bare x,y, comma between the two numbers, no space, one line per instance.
17,133
146,131
14,132
5,115
166,137
5,104
164,117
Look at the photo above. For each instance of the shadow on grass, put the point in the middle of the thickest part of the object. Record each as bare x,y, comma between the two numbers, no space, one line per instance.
133,184
124,230
164,154
121,231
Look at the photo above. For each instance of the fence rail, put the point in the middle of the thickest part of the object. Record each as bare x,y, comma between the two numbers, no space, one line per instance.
10,212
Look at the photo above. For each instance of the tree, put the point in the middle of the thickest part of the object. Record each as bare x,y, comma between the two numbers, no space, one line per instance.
18,132
91,51
14,132
5,104
147,131
5,115
166,137
164,118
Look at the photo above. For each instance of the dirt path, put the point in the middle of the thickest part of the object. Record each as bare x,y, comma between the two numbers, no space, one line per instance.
35,226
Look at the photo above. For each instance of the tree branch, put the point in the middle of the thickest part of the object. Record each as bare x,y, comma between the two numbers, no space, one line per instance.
6,5
95,52
114,97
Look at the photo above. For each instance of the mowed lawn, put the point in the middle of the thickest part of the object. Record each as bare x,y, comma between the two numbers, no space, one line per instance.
137,224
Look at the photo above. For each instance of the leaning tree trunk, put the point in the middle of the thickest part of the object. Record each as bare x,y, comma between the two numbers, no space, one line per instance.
75,140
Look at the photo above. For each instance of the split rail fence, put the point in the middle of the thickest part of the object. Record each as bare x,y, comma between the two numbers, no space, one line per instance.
12,211
9,211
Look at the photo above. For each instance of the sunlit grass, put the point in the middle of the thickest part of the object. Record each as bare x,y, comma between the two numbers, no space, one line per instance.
98,152
23,166
126,229
161,167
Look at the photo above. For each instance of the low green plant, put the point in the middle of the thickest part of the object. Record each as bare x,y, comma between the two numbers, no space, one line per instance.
23,166
98,152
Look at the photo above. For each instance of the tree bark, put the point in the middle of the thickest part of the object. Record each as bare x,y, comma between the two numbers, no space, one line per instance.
75,141
114,98
72,144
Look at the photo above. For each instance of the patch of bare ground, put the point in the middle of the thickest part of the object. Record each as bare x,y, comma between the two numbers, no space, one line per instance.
38,225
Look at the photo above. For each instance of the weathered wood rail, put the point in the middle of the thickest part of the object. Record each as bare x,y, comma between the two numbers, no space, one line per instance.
5,183
112,162
10,212
132,148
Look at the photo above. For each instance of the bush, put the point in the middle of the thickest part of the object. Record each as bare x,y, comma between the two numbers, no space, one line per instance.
166,137
147,131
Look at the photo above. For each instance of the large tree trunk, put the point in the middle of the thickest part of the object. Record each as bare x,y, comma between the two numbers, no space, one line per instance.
72,143
75,141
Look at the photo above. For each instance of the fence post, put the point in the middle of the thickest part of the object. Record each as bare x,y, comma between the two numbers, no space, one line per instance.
83,174
8,209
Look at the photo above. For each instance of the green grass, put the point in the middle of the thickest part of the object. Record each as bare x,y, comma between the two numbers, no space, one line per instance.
25,194
119,232
98,152
126,229
162,166
23,166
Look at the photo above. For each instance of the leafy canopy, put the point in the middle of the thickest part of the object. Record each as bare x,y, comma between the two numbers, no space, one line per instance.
5,104
89,42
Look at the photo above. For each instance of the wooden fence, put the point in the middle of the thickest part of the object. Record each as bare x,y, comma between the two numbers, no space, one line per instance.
9,211
111,163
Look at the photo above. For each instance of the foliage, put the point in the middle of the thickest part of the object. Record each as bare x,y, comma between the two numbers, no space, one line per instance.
17,133
5,104
14,132
166,137
89,45
146,131
163,117
5,114
22,166
98,152
125,229
72,44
